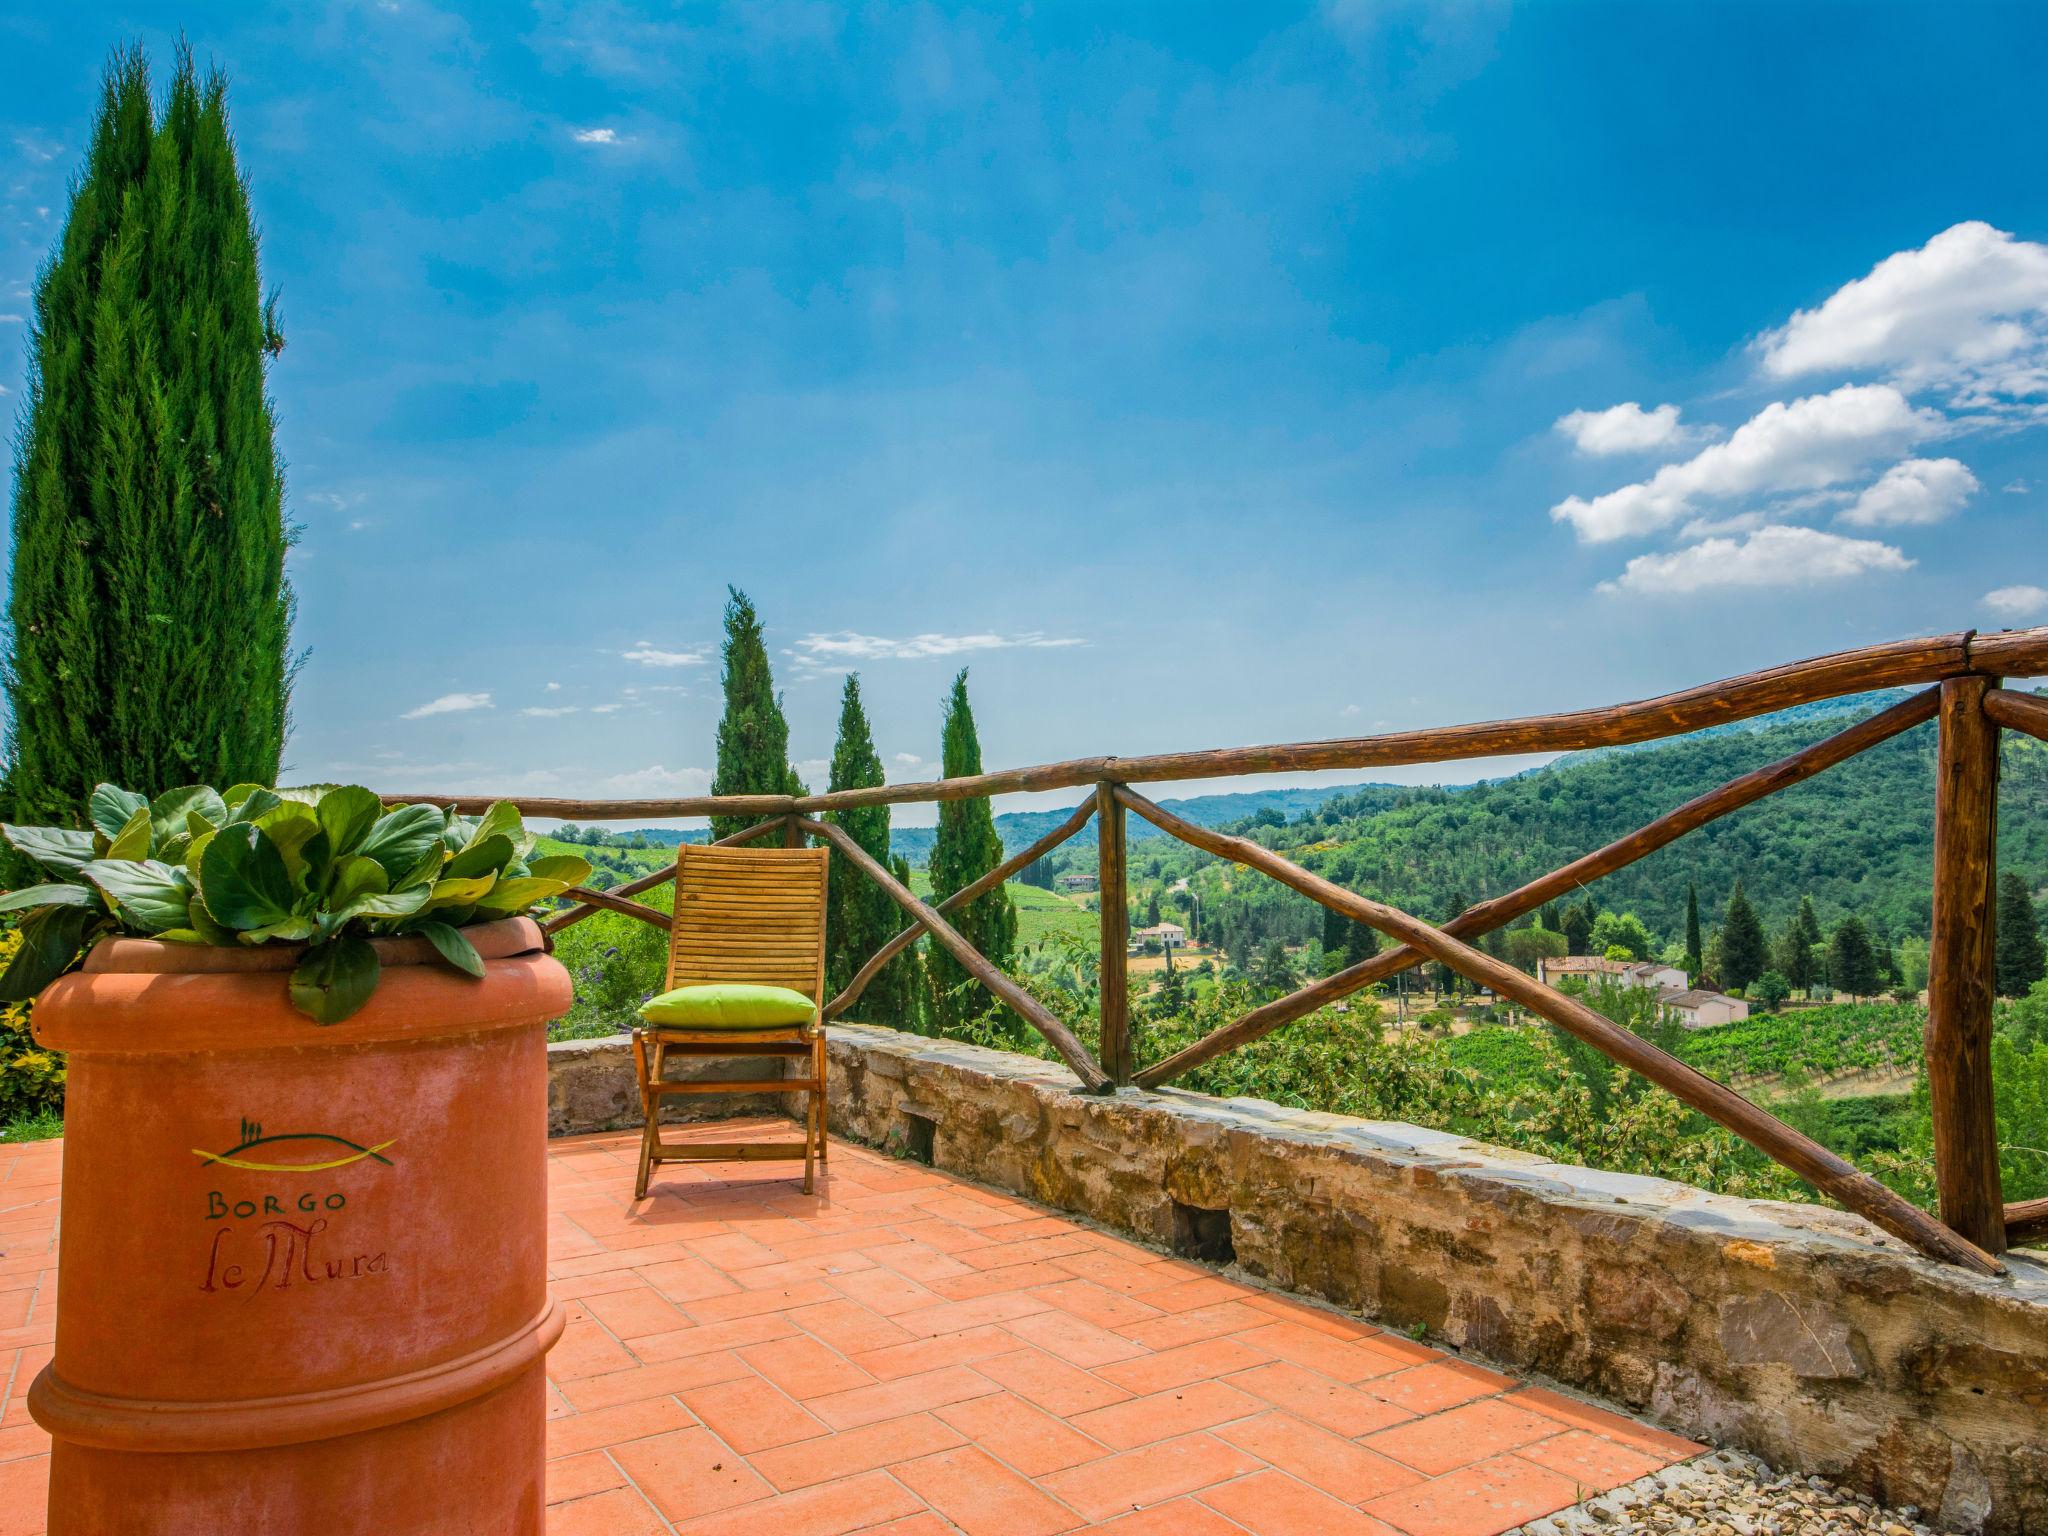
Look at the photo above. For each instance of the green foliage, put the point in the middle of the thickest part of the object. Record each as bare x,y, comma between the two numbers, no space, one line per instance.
1623,931
617,963
753,737
1744,954
861,917
2021,959
1810,1043
1769,991
1695,951
965,849
327,866
149,616
31,1078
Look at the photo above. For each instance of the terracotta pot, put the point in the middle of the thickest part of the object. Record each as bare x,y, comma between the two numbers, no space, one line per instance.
302,1279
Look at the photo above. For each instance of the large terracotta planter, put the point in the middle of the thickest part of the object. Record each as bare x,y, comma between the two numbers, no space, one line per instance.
302,1280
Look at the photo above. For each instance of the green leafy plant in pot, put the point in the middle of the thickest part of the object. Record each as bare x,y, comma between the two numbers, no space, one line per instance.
329,867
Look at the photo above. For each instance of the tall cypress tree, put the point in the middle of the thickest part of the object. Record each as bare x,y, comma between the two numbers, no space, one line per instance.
753,737
149,616
861,917
1694,949
2019,950
1744,952
965,849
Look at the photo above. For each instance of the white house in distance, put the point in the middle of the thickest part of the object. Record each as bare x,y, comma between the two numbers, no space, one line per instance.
1703,1010
1596,969
1165,935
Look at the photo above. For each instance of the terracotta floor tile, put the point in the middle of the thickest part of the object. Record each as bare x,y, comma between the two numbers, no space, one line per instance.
631,1314
1340,1467
579,1476
983,1497
849,1327
1308,1314
852,1504
751,1415
1176,1517
590,1393
1021,1434
1480,1500
689,1473
1347,1360
1173,1329
1054,1385
924,1523
1593,1460
1460,1436
712,1336
886,1292
1073,1339
930,1354
1433,1388
686,1280
907,1394
1097,1303
957,1316
1116,1485
1319,1399
1201,1291
615,1426
621,1512
1274,1504
987,1282
851,1451
1205,1361
1603,1421
778,1298
24,1496
1179,1411
803,1367
585,1349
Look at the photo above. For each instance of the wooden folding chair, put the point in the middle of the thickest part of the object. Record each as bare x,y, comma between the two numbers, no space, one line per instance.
741,914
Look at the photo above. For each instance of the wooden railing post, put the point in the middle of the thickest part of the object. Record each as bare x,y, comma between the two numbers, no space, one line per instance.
1112,897
1959,968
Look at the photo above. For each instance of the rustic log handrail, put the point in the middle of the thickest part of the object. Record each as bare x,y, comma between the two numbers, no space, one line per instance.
1900,663
1966,669
1832,1175
1488,915
988,882
977,965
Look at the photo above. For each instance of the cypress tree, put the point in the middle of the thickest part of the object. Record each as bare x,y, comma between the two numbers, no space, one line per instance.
1695,951
149,616
1743,950
965,849
1578,927
1852,960
753,737
860,917
2020,958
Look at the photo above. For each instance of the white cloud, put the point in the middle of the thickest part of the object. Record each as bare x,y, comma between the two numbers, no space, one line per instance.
549,712
1967,311
656,780
1914,492
596,136
449,704
552,688
606,709
908,759
1770,557
848,646
13,319
2015,488
1624,428
1805,445
648,655
2021,602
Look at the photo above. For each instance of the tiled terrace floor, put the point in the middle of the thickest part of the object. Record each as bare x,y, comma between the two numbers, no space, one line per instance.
908,1353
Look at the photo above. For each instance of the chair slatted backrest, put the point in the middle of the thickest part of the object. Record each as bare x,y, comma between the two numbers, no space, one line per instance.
750,914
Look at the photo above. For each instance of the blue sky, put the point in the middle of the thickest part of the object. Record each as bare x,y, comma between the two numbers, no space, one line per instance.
1199,375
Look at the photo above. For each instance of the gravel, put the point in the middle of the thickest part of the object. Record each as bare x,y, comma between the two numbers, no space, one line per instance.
1725,1493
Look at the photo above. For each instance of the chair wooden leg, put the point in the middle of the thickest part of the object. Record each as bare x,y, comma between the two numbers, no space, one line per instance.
823,1102
649,1117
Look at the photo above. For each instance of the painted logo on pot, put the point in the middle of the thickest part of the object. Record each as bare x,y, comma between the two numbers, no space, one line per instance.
318,1145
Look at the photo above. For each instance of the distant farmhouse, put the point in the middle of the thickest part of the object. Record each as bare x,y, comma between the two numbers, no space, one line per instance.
1677,998
1165,935
1596,969
1075,884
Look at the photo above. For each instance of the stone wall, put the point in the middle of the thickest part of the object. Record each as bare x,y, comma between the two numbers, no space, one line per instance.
590,1088
1799,1333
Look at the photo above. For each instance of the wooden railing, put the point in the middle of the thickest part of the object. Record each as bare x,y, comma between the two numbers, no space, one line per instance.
1960,674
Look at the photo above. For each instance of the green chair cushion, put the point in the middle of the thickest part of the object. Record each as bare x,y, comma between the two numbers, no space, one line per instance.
729,1005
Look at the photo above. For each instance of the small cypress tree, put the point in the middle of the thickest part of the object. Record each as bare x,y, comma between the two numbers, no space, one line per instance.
1694,949
861,918
753,737
2020,959
1578,926
1852,960
965,849
1744,952
149,616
